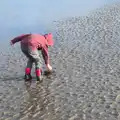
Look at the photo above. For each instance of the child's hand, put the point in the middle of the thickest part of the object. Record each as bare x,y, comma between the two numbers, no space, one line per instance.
11,43
49,67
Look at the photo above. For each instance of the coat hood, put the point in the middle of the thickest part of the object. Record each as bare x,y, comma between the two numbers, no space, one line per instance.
49,38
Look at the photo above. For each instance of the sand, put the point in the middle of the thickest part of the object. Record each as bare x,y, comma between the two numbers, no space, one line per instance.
86,81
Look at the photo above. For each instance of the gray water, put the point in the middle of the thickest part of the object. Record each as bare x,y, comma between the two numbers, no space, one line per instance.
85,84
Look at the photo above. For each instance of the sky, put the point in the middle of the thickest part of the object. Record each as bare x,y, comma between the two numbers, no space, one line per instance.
25,16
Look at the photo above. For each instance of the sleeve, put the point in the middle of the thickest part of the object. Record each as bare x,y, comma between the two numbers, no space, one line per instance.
17,39
45,54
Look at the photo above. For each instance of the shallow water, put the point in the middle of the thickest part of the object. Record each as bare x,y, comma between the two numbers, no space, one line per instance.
33,17
85,82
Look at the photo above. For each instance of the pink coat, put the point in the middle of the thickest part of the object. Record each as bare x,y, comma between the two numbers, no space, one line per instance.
36,41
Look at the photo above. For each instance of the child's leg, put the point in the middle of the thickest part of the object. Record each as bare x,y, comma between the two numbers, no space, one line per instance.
28,68
38,63
29,63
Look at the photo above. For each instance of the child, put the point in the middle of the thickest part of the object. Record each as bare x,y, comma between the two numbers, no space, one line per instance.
30,45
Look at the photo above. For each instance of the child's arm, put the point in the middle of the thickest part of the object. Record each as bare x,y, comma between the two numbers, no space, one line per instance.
19,38
46,57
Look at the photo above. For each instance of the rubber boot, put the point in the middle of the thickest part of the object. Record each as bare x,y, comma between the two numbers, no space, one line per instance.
28,74
39,74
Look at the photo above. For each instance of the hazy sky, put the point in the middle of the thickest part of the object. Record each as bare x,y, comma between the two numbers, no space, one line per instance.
23,16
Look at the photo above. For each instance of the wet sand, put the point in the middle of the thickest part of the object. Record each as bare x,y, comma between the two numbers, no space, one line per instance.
86,81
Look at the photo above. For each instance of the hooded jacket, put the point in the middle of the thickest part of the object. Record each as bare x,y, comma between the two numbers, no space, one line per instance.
36,41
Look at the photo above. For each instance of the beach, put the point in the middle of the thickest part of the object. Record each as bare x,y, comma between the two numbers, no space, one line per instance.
85,84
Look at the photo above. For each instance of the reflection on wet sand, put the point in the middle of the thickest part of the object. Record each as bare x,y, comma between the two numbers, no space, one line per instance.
39,103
